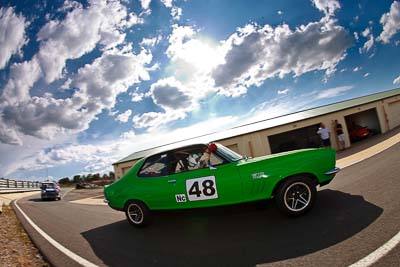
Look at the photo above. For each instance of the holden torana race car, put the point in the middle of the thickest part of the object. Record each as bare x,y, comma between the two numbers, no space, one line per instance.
212,175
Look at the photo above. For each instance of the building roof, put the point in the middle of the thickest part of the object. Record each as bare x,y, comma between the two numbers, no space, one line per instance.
265,124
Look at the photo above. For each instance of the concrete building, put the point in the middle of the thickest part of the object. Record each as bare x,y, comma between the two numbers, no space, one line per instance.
378,112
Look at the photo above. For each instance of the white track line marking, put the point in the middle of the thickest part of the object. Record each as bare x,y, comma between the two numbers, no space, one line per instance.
394,241
57,245
378,253
69,190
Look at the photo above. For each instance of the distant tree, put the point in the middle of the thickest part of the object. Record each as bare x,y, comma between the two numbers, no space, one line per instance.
89,177
111,175
64,180
105,177
96,177
77,179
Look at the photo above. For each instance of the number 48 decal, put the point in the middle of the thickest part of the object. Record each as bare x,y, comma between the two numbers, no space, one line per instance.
201,188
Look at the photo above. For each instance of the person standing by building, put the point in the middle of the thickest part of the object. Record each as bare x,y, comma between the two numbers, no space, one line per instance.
340,135
324,133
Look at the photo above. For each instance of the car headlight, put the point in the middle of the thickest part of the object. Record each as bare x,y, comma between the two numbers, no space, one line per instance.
43,191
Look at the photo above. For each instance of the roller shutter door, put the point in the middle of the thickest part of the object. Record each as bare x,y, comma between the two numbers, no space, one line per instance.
394,114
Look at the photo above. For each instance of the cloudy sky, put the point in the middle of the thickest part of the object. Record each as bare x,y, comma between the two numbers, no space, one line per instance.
85,83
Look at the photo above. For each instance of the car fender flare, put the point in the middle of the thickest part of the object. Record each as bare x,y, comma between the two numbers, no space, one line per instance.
307,174
134,199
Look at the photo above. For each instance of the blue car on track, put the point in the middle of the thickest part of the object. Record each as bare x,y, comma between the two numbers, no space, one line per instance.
50,190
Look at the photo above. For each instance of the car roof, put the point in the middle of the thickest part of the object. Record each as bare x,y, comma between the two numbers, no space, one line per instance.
179,148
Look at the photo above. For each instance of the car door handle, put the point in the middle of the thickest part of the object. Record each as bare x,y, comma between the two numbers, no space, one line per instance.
171,181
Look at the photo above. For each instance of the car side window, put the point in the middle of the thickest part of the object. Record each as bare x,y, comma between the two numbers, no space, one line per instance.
155,166
190,159
185,160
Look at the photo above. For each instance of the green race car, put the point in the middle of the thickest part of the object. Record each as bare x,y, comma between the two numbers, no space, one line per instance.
212,175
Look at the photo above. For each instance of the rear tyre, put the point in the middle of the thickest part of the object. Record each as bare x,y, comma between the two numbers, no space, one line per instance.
137,213
296,195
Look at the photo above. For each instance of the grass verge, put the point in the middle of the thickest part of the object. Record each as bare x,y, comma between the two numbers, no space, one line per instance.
16,248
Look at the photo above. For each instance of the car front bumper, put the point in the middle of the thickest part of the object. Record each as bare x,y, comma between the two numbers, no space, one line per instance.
49,195
333,171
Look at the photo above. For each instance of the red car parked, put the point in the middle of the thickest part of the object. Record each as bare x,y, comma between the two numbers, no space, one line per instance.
359,132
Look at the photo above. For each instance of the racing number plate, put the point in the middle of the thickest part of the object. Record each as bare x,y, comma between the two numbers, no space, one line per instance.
201,188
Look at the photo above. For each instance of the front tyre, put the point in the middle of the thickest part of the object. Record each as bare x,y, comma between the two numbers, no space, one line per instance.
137,213
296,195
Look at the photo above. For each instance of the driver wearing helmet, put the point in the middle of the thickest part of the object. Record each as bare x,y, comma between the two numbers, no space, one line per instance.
205,158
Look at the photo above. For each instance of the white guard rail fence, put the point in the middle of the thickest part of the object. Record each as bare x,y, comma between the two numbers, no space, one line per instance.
10,186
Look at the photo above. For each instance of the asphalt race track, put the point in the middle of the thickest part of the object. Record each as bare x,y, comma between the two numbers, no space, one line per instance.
354,215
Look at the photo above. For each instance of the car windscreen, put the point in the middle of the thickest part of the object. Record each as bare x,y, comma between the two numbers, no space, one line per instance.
50,185
228,154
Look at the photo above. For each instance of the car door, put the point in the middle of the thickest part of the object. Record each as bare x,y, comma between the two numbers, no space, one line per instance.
219,184
152,185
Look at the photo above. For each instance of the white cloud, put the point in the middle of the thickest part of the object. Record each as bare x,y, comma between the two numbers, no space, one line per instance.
133,19
99,156
367,74
283,91
367,45
192,60
95,86
248,57
390,22
43,116
334,92
8,135
366,32
22,77
153,120
356,36
150,42
176,13
96,157
15,157
12,34
396,80
170,94
167,3
274,108
128,135
145,4
280,12
179,35
254,54
327,6
358,68
124,117
69,40
137,97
